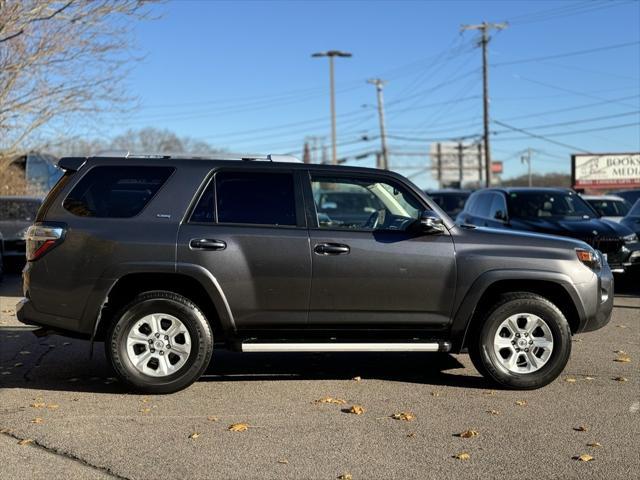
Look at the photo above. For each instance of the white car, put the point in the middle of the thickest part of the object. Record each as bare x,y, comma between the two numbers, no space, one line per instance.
609,207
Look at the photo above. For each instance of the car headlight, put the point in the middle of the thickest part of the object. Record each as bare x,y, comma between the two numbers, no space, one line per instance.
631,238
590,258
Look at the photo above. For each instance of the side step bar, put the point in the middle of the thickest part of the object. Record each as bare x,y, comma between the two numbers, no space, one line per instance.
346,347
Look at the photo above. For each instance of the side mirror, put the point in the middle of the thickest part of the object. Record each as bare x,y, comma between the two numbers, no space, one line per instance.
431,223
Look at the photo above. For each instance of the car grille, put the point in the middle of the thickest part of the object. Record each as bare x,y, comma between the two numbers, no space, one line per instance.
605,244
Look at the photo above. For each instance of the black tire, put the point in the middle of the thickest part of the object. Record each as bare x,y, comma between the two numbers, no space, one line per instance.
160,302
484,357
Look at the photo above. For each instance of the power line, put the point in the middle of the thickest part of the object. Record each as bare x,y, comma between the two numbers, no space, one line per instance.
584,120
567,54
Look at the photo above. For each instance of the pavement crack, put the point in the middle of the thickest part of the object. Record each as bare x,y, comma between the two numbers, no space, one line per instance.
27,375
68,455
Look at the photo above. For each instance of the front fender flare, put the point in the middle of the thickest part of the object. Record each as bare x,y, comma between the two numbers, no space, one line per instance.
467,307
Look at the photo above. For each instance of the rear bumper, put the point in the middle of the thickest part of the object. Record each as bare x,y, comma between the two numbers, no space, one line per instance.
27,314
599,306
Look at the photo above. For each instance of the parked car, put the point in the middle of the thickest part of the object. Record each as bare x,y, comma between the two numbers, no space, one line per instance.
554,211
630,196
450,200
159,256
16,216
632,220
351,208
609,207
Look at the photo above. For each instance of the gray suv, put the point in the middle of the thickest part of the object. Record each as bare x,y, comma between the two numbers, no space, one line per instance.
160,256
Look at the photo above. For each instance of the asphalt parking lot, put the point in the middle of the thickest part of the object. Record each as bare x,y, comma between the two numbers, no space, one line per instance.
63,415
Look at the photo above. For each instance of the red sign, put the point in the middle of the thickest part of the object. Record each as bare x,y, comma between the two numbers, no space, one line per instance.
496,167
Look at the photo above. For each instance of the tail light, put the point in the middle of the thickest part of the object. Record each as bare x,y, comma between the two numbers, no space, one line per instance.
42,237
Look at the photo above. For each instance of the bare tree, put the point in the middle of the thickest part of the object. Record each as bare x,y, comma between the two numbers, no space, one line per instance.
60,59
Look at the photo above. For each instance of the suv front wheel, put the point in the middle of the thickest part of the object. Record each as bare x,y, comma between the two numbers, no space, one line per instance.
159,343
523,343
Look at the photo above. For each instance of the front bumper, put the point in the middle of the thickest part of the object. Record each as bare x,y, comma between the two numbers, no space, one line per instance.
625,260
599,300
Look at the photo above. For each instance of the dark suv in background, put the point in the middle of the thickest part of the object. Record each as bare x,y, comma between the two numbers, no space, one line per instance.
554,211
159,256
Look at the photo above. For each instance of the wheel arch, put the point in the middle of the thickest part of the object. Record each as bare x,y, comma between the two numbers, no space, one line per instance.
486,290
191,281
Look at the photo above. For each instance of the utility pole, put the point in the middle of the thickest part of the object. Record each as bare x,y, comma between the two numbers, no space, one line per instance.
383,135
526,158
439,154
331,54
485,27
460,164
479,164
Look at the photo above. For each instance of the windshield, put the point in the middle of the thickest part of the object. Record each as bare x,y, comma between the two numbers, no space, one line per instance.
635,210
610,208
549,205
18,210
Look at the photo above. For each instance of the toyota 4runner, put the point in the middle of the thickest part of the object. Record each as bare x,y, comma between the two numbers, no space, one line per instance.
158,256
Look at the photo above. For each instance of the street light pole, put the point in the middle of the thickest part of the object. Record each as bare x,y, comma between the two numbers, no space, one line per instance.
331,54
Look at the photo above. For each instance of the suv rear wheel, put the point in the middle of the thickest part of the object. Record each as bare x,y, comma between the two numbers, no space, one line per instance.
523,343
159,343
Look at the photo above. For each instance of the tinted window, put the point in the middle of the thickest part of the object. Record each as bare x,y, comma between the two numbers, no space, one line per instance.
610,208
363,204
255,198
482,204
121,191
498,210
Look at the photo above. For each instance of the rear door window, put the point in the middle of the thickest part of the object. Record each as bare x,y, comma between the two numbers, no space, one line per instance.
258,198
116,192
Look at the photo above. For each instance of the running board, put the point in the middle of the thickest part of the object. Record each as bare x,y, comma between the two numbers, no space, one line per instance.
346,347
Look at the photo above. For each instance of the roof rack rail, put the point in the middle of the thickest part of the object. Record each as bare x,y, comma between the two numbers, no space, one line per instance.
211,156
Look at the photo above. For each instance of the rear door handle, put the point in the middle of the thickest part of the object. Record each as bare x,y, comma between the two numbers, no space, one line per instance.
207,244
331,249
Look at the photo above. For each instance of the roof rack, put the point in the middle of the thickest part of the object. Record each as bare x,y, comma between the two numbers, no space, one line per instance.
216,156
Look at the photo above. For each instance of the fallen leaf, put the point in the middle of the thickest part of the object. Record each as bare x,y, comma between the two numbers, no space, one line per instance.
6,373
355,409
594,444
144,400
66,344
406,416
238,427
620,379
521,403
357,379
345,476
620,352
145,410
493,412
19,364
589,378
211,418
194,435
622,359
468,434
489,392
621,326
5,430
25,441
337,401
570,380
412,434
37,420
38,405
583,458
462,456
25,352
580,428
435,394
283,461
53,406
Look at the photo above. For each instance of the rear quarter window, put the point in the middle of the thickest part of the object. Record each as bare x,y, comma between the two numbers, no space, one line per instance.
115,192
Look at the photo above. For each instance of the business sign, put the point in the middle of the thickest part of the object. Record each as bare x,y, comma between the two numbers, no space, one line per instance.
447,169
605,170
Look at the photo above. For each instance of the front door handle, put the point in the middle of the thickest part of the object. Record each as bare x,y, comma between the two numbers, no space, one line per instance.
207,244
331,249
